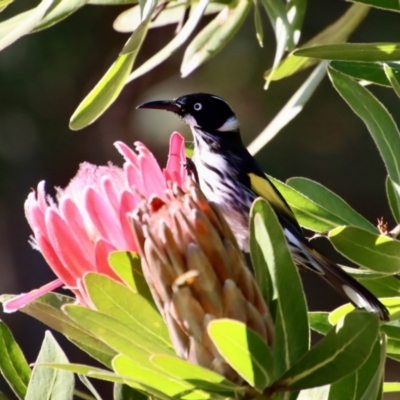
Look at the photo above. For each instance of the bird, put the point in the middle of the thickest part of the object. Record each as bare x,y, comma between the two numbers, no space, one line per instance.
230,177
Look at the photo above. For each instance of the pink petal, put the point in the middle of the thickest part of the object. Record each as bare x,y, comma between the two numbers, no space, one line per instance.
110,194
153,178
103,250
41,196
34,213
134,178
65,245
23,299
103,218
82,294
53,260
127,153
128,204
71,213
176,158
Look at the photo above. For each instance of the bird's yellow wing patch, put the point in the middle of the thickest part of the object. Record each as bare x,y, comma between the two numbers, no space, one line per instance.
264,188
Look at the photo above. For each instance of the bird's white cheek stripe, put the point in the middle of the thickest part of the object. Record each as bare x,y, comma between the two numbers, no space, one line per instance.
231,124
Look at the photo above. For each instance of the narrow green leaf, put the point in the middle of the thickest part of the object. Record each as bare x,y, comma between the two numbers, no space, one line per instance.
104,93
258,25
377,119
174,44
392,5
376,252
287,306
115,334
48,383
393,195
13,365
151,377
390,387
371,52
4,4
319,322
341,352
125,392
290,110
129,308
337,32
47,309
111,2
309,214
214,36
200,377
89,386
244,350
392,75
331,202
20,25
368,71
61,10
127,266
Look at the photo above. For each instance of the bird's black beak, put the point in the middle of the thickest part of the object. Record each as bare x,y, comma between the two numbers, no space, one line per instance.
167,105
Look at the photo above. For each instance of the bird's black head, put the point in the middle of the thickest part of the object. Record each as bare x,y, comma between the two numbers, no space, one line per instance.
205,111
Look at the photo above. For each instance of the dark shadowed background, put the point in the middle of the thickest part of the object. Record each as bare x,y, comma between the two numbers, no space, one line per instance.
44,76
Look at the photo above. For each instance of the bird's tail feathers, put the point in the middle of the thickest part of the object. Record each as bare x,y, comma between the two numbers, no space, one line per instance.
306,256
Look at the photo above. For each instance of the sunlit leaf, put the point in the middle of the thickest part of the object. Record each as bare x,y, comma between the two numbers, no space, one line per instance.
89,386
201,377
390,387
290,110
319,322
367,71
258,24
244,350
4,4
48,383
129,308
13,366
47,309
214,36
377,119
353,52
287,306
112,2
341,352
373,251
337,32
393,194
174,44
125,392
20,25
61,10
392,75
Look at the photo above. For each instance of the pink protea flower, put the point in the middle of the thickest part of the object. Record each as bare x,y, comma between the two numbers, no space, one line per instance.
88,220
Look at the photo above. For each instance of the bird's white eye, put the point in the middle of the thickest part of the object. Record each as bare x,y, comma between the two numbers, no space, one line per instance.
197,107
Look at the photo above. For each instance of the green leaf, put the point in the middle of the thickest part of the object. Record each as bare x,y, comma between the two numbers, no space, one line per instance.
393,79
371,52
189,149
104,93
341,352
174,44
60,10
149,376
214,36
376,252
114,333
3,5
47,309
89,386
244,350
337,32
287,306
20,25
48,383
377,119
368,71
13,365
116,300
127,266
198,376
317,393
385,4
330,201
112,2
390,387
309,214
393,195
258,25
290,110
125,392
319,322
